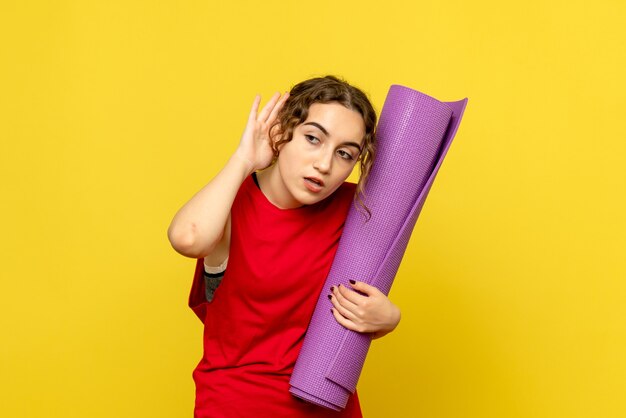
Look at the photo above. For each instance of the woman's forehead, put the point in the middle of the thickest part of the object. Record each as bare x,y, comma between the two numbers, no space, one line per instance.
334,119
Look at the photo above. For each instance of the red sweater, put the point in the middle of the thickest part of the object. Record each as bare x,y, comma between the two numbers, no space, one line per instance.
255,325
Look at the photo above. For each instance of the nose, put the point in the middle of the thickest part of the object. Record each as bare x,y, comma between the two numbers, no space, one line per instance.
323,161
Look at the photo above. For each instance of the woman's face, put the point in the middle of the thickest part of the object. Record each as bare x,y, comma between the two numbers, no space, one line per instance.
321,154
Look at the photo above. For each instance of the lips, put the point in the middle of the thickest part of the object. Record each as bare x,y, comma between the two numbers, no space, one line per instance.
313,184
315,180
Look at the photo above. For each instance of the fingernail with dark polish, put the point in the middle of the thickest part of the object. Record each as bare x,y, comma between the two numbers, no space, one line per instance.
332,288
352,281
330,297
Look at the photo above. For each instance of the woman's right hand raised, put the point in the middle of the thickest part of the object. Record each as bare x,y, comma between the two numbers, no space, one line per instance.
255,147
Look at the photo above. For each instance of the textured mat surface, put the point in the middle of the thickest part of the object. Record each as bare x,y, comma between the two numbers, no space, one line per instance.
414,134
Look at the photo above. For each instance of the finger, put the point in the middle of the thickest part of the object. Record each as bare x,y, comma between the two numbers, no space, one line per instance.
268,107
255,108
345,322
338,293
277,108
350,295
345,312
363,287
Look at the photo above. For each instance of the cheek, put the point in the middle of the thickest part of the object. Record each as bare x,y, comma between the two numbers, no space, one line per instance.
296,155
342,176
288,161
346,169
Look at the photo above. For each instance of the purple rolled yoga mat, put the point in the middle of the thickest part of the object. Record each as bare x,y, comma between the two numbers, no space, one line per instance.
414,133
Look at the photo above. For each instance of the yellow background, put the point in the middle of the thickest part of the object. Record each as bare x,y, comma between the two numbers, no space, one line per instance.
114,113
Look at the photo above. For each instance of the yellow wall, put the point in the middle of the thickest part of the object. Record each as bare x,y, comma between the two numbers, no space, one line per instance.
113,113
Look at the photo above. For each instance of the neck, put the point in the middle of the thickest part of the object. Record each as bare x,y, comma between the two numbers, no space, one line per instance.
274,189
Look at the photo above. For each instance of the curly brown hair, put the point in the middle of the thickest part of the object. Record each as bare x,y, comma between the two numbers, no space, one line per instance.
325,90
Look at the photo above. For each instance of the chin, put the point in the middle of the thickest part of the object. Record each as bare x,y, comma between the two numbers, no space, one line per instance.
306,197
311,200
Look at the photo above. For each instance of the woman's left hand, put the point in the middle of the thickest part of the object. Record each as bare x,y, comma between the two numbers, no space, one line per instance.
373,313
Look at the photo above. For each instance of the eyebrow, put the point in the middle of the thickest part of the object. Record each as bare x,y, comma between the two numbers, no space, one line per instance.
321,128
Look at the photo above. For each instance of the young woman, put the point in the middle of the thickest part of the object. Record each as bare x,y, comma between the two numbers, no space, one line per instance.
269,223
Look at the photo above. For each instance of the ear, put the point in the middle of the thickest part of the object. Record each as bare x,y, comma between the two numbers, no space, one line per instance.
277,134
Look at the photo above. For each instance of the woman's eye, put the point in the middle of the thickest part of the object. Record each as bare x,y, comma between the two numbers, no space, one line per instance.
311,139
345,155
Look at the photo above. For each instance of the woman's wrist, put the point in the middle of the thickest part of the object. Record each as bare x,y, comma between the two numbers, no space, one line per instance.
245,164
